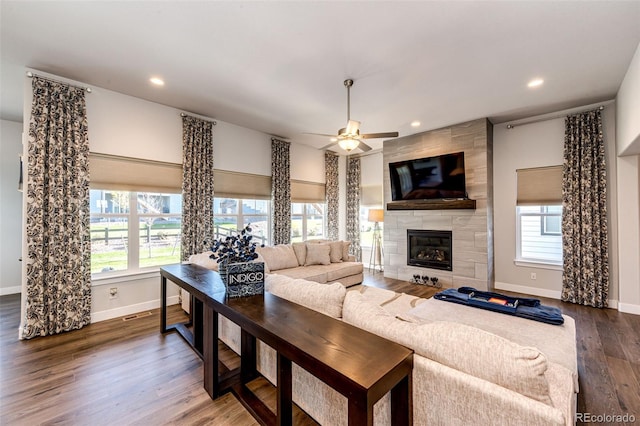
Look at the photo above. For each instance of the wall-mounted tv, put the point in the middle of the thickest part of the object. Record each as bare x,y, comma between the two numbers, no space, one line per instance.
428,178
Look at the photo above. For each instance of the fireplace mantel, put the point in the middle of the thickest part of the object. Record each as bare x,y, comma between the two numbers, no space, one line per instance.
431,204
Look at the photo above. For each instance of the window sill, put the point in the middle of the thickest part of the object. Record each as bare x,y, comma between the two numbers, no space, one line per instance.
538,264
124,276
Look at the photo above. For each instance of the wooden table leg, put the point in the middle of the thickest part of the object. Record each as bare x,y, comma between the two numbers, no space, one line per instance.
210,351
197,310
360,412
285,406
248,357
401,406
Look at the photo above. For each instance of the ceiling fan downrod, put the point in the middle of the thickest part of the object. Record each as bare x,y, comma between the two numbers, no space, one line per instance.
348,83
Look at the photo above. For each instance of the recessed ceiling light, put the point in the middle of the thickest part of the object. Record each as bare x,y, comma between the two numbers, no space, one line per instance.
415,123
157,81
334,139
535,82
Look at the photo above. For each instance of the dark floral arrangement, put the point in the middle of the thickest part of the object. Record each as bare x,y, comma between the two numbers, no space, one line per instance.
235,248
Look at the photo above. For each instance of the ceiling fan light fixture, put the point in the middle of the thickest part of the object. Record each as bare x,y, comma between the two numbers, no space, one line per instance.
349,144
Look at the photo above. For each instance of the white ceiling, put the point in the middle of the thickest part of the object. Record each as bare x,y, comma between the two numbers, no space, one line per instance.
279,67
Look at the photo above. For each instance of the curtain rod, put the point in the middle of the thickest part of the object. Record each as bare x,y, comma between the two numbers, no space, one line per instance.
599,106
31,75
213,122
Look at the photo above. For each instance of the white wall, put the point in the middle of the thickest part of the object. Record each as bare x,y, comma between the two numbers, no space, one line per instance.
628,100
537,145
127,126
10,207
628,140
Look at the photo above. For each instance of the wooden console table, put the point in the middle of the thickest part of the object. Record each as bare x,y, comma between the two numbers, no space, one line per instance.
361,366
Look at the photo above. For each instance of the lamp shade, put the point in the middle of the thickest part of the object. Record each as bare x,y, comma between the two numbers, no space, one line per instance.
376,215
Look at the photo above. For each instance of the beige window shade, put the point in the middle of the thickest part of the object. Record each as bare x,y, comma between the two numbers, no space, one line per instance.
307,192
371,195
241,185
134,174
539,186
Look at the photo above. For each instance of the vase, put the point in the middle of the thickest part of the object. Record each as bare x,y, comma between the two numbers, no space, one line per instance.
242,278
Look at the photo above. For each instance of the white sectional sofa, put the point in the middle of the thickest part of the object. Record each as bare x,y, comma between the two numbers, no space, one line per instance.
471,366
321,261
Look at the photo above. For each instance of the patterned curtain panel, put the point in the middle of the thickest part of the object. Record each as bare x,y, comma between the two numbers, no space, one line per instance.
58,293
585,277
280,191
332,199
197,186
353,206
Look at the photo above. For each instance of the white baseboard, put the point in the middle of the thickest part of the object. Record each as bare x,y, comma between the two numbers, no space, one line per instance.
10,290
628,308
131,309
533,291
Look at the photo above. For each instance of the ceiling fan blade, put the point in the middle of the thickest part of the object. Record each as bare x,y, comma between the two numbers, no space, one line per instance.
328,146
379,135
364,147
320,134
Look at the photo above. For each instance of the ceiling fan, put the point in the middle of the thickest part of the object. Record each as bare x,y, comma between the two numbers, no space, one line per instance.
349,138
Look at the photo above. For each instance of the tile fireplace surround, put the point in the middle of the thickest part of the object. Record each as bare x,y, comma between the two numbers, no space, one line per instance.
472,230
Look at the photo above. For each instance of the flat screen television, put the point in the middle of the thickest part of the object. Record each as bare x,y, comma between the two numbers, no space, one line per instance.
428,178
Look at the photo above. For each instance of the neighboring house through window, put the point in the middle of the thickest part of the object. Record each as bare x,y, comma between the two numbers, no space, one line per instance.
539,236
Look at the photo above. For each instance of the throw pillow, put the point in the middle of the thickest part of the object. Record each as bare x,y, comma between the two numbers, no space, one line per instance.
300,250
324,298
204,260
345,250
335,251
278,257
317,254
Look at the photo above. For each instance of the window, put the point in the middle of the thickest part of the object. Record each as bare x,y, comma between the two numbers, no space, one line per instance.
229,214
119,245
539,234
367,227
307,221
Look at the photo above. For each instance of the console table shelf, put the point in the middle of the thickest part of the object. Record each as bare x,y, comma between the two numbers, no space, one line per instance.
431,204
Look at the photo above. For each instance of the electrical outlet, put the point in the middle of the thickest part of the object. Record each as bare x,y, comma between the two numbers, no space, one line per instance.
113,293
534,276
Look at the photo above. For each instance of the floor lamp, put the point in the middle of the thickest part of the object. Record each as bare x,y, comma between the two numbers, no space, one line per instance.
377,252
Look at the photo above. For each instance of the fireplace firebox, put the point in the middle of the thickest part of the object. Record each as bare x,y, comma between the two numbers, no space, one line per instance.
429,249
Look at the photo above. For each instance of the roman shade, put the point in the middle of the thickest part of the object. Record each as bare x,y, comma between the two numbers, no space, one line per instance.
228,184
539,186
371,195
307,192
134,174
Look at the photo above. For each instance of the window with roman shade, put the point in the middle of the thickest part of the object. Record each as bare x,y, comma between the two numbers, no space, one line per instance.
539,215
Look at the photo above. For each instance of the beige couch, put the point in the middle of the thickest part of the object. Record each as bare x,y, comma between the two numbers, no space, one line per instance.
320,261
462,374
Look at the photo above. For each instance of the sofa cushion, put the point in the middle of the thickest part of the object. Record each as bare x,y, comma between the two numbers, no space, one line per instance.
464,348
317,273
486,356
278,257
335,251
204,260
324,298
343,269
318,254
556,342
392,302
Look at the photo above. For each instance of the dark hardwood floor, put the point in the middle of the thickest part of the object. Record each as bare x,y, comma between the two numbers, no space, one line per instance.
126,372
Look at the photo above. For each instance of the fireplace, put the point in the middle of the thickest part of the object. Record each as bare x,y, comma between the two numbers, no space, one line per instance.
429,249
